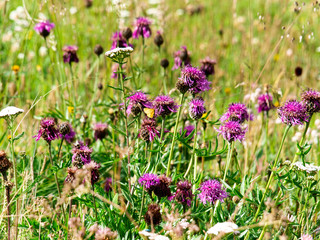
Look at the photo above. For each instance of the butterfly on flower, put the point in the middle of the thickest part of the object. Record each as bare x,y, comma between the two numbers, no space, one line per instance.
149,112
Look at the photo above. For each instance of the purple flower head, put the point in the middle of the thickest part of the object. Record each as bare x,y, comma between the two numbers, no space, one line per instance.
149,181
48,130
108,185
44,28
95,172
265,103
183,194
142,28
70,137
100,130
162,189
207,66
211,191
196,108
192,79
81,152
119,41
66,131
164,106
232,131
188,130
70,54
293,113
236,112
311,99
181,58
138,101
149,130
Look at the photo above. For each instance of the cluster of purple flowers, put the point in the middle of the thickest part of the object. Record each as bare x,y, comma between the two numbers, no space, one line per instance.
148,130
207,66
142,28
196,108
311,99
265,103
164,105
293,113
159,185
236,112
211,191
138,101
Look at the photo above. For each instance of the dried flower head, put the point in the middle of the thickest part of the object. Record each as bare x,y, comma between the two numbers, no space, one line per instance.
100,131
142,28
311,99
184,194
164,106
127,33
162,189
70,54
105,234
48,130
44,28
207,66
265,103
211,191
5,164
236,112
81,152
71,175
153,215
293,113
196,108
138,101
148,130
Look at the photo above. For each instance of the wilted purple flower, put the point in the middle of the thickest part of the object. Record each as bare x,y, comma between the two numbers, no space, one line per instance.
232,131
138,101
142,28
94,171
100,131
48,130
44,28
211,191
207,66
293,113
192,79
311,99
196,108
162,189
70,54
119,41
149,180
236,112
148,129
164,106
81,152
184,194
181,58
265,103
108,185
188,130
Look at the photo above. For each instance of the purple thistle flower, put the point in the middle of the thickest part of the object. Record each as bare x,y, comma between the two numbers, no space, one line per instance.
265,103
196,108
148,130
188,130
44,28
236,112
211,191
119,41
138,101
100,130
70,137
80,151
95,172
162,189
311,99
149,181
108,185
142,28
183,194
232,131
181,58
164,106
48,130
70,54
293,113
207,66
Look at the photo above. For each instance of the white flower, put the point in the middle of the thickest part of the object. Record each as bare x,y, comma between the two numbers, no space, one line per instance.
6,37
15,47
119,52
20,56
153,236
309,168
73,10
43,51
184,223
10,111
225,227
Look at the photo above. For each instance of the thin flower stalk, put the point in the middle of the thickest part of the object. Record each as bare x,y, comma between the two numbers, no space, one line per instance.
229,158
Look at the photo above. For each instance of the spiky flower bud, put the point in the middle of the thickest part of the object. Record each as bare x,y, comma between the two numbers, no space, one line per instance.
98,50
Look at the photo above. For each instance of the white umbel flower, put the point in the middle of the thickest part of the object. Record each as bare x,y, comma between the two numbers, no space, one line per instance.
10,111
119,53
309,168
224,227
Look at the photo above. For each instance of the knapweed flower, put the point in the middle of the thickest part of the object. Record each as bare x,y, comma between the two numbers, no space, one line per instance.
181,58
142,28
48,130
158,39
149,181
66,131
311,99
306,237
232,131
138,101
265,103
153,215
211,191
188,130
148,130
108,185
119,41
44,28
223,227
81,154
127,33
293,113
236,112
5,164
162,189
184,194
93,167
70,54
164,106
118,54
196,108
207,66
100,131
192,79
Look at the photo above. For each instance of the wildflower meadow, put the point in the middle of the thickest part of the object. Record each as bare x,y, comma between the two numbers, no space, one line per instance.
159,119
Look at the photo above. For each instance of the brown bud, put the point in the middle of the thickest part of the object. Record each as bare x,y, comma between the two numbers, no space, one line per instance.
98,50
127,33
164,63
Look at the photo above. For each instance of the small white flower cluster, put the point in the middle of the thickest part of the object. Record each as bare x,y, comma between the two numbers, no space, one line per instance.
119,53
153,236
252,97
223,227
309,168
10,111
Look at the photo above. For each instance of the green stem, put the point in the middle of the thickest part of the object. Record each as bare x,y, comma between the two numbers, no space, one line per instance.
174,135
95,206
95,87
161,138
142,203
164,82
194,155
74,95
229,157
